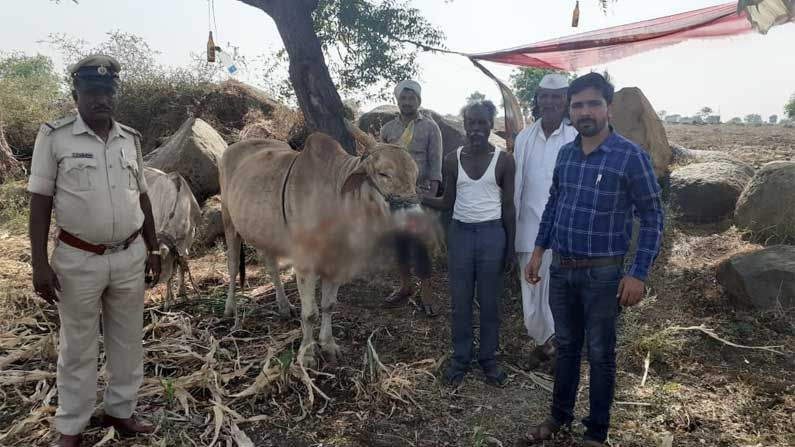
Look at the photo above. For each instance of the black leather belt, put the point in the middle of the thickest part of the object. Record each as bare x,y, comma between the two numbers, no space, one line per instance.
582,263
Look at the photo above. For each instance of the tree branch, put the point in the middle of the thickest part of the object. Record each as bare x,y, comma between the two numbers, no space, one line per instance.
264,5
273,7
423,46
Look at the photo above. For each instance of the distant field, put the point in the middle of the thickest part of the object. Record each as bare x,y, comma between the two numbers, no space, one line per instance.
756,145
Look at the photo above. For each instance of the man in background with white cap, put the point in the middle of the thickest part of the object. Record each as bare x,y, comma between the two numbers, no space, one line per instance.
88,167
421,136
535,152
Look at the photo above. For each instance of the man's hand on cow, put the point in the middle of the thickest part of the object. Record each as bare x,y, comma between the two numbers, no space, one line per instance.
45,283
152,269
433,189
631,291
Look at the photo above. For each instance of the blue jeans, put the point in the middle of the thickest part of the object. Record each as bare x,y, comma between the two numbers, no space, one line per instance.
475,259
585,307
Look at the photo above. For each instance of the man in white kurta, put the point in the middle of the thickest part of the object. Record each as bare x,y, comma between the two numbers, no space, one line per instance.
535,152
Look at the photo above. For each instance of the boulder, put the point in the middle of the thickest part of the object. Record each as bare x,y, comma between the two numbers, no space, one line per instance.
453,135
211,224
765,206
194,152
764,279
374,120
681,156
708,192
634,117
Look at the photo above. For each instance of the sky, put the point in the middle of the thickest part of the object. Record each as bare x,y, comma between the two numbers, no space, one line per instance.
735,76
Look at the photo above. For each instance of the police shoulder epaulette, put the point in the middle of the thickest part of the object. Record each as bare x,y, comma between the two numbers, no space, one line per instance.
130,130
57,124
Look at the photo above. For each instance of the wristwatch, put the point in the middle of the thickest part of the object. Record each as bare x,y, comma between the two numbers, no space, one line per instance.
153,252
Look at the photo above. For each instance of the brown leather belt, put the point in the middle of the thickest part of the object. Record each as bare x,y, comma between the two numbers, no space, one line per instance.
582,263
101,249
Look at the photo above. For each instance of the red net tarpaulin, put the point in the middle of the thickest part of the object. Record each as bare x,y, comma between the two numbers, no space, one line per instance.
601,46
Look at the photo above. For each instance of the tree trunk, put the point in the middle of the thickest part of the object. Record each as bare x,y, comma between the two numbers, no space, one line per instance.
317,96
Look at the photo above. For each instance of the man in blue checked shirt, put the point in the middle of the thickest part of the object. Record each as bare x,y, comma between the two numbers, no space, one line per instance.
600,181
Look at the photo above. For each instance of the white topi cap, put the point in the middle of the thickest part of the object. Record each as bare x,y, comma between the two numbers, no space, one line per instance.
414,86
554,81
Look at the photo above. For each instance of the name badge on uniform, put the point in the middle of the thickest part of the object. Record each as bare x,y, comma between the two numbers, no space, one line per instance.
82,155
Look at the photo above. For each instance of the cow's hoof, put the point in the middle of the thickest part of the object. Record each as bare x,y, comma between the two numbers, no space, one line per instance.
331,353
287,312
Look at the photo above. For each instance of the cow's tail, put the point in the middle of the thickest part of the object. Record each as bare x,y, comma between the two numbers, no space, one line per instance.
242,265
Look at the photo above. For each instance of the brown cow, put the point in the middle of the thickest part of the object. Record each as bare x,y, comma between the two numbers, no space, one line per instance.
322,208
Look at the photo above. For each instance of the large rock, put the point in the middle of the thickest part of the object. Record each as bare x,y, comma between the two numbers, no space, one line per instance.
211,226
194,152
708,192
634,117
766,205
453,135
374,120
681,156
764,279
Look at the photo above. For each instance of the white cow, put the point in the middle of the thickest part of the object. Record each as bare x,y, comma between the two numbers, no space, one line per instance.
176,215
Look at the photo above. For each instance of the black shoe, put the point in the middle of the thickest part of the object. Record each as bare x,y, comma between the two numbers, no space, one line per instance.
454,376
495,376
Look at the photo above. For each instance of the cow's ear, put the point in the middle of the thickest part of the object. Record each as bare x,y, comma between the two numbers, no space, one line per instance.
354,182
358,176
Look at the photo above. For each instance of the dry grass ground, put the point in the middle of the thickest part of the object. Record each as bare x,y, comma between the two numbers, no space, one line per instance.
206,380
755,145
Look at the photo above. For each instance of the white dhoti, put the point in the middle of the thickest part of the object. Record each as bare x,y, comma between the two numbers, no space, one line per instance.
536,155
535,300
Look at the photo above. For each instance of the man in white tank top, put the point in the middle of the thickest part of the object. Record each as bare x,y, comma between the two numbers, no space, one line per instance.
479,185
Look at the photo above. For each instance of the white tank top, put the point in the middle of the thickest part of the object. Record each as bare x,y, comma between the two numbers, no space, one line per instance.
478,200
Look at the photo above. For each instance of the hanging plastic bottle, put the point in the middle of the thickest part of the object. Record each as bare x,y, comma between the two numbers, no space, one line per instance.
210,48
575,17
227,61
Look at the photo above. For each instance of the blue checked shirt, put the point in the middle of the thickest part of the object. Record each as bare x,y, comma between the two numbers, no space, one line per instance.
592,201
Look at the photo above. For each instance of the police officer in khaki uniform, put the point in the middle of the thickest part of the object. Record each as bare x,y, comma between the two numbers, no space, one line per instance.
89,169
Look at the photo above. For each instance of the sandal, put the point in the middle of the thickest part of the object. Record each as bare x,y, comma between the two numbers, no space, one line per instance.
588,442
542,432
